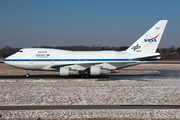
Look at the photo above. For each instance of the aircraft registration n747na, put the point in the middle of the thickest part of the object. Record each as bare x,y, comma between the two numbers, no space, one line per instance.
90,63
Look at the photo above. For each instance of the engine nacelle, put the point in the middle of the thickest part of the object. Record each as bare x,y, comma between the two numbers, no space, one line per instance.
73,72
104,71
95,70
65,71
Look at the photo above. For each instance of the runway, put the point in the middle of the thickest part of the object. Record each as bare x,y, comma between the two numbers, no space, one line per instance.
162,74
60,107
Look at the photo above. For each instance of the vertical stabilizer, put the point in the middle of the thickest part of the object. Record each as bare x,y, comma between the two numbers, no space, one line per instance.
149,42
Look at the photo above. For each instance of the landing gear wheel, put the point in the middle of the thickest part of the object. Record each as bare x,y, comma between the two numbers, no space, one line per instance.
86,75
82,75
27,75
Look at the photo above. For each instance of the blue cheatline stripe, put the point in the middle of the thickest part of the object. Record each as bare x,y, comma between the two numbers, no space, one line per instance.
77,60
70,60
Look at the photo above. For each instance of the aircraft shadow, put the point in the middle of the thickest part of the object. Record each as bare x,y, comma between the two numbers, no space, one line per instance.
131,79
114,77
47,77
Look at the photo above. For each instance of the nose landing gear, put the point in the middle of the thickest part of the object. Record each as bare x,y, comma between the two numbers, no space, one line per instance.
27,74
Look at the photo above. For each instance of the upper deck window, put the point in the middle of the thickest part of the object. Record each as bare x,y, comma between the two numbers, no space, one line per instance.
42,51
20,51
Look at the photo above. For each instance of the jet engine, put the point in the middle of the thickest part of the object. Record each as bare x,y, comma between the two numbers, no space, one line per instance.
65,71
95,70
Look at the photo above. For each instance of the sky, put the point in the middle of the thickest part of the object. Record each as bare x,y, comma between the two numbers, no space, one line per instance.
28,23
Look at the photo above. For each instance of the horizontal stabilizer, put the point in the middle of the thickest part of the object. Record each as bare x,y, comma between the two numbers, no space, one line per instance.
154,56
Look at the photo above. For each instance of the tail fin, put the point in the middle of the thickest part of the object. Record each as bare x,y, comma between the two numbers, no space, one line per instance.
149,42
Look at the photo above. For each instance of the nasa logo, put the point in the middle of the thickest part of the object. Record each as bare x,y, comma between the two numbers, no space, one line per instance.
151,40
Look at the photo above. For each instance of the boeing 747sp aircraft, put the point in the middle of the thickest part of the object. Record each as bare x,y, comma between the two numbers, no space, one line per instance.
90,63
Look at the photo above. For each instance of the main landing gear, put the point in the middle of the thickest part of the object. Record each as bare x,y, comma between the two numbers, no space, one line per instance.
86,75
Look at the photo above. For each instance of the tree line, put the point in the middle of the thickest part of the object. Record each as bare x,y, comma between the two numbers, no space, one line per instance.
7,51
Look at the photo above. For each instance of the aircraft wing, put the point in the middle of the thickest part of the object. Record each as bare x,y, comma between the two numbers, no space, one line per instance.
78,66
62,65
105,65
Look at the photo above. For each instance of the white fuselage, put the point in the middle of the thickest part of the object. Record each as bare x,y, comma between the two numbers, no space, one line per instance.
44,59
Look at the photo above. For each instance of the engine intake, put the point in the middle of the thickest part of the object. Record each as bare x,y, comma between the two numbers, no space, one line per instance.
65,71
95,70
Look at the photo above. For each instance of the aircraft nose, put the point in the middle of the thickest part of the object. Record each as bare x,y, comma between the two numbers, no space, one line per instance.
9,61
6,60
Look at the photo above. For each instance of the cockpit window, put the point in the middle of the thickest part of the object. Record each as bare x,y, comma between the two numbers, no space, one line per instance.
20,51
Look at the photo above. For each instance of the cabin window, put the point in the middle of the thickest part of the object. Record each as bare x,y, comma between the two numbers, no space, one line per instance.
20,51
